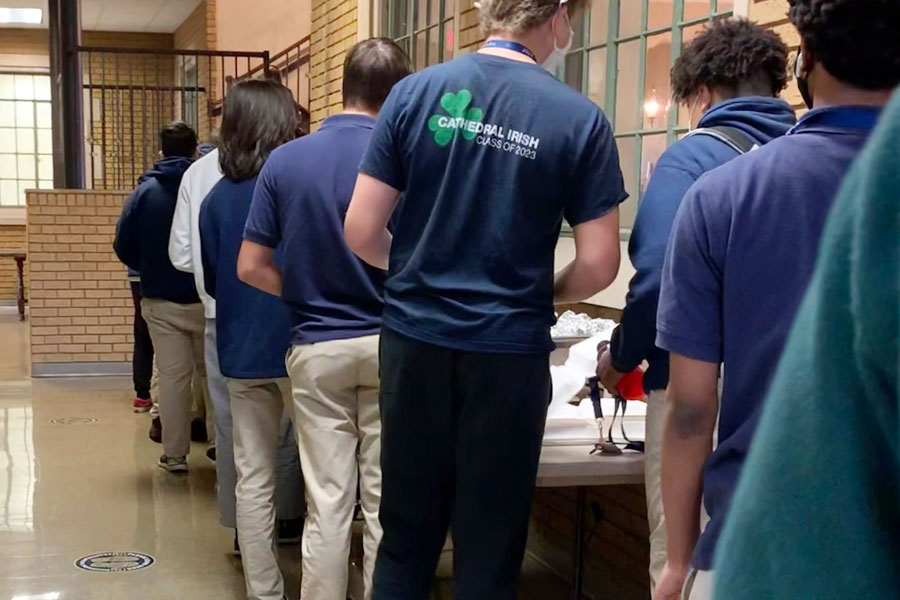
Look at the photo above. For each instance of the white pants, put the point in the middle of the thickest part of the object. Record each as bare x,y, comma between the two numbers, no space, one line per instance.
655,422
257,408
338,424
699,585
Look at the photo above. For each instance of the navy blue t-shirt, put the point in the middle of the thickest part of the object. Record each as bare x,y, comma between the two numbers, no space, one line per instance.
301,201
491,155
741,254
252,329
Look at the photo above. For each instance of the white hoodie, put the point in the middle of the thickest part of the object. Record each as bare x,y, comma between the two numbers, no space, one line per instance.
184,239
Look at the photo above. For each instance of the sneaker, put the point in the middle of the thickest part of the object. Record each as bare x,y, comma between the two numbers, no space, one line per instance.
173,464
156,430
198,431
211,454
141,405
237,545
290,531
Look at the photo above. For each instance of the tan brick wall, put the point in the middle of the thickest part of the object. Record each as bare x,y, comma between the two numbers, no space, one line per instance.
80,302
773,14
334,31
470,36
12,237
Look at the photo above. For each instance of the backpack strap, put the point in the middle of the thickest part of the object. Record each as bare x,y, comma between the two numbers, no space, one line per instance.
739,141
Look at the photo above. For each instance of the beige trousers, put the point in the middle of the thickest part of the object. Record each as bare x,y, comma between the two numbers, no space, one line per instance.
177,333
656,417
338,423
257,407
699,585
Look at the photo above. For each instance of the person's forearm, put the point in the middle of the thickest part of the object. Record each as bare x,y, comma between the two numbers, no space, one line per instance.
263,277
687,444
579,281
376,251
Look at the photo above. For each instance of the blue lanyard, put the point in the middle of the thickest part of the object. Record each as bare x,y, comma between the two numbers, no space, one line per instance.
514,46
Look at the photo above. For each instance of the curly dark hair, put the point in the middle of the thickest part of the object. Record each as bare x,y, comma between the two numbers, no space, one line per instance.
734,55
857,41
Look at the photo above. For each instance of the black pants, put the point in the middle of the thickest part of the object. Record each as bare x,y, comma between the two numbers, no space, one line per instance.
142,357
461,439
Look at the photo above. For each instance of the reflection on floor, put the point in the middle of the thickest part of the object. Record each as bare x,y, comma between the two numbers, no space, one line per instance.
69,490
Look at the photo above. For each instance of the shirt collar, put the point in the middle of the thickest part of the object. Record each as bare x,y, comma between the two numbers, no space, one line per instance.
345,120
838,119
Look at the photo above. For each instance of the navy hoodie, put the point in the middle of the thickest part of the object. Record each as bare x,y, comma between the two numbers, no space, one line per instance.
634,340
142,234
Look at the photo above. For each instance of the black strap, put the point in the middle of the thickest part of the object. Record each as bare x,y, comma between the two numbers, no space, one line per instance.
739,141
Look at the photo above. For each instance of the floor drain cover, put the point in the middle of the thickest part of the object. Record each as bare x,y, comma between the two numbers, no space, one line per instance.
115,562
74,421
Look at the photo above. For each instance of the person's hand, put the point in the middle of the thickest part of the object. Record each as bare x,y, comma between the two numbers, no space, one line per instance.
608,375
671,583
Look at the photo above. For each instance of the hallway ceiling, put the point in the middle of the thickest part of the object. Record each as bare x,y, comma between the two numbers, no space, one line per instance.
156,16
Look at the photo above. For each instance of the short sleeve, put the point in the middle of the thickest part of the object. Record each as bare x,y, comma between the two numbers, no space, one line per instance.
383,159
263,226
689,317
599,186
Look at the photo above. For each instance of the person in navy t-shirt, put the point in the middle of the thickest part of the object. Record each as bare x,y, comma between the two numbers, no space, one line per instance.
490,153
335,302
742,250
252,333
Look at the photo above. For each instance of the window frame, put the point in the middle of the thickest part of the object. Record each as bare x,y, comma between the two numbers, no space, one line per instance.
388,9
36,153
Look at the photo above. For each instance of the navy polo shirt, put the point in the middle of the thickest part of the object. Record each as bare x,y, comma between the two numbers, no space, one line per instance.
300,203
742,251
491,155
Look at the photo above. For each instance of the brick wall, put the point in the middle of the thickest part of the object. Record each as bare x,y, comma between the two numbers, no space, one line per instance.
773,14
470,35
12,237
334,31
80,301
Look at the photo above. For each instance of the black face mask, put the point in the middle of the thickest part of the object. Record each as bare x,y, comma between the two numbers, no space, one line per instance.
802,83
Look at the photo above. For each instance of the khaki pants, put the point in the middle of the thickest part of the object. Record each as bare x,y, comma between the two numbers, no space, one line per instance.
257,408
177,333
337,420
656,418
699,585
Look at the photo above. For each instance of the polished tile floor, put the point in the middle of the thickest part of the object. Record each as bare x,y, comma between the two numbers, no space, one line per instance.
81,486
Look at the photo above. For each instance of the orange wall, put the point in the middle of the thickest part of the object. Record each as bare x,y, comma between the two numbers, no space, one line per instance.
272,25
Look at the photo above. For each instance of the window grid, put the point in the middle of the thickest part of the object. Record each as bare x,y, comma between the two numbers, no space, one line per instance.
401,22
26,159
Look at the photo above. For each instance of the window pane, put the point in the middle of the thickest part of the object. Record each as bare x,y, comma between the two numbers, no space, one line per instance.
434,15
688,35
448,40
725,5
7,87
7,114
627,147
9,193
421,50
45,141
627,86
24,87
25,185
597,76
399,17
45,166
449,8
44,115
45,185
7,140
434,55
656,81
695,9
652,147
575,70
630,17
7,166
25,114
599,21
25,140
42,87
661,12
26,168
578,30
421,8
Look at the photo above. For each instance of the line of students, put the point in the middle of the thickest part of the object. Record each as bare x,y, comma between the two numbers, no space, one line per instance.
424,389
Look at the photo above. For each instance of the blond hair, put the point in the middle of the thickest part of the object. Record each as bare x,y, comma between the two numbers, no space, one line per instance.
519,16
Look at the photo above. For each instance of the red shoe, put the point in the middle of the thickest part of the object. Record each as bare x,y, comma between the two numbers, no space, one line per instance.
142,406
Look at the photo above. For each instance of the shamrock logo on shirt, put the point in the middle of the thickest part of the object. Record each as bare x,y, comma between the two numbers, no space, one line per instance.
461,115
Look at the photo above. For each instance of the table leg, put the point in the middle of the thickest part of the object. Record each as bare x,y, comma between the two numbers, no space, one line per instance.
578,558
20,272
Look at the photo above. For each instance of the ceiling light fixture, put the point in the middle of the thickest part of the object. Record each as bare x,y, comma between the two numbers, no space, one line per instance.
21,16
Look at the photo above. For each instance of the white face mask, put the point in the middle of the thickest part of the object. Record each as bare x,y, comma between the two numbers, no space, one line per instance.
556,59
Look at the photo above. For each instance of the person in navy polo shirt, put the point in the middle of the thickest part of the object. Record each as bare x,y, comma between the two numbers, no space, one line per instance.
742,251
335,304
491,153
252,334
